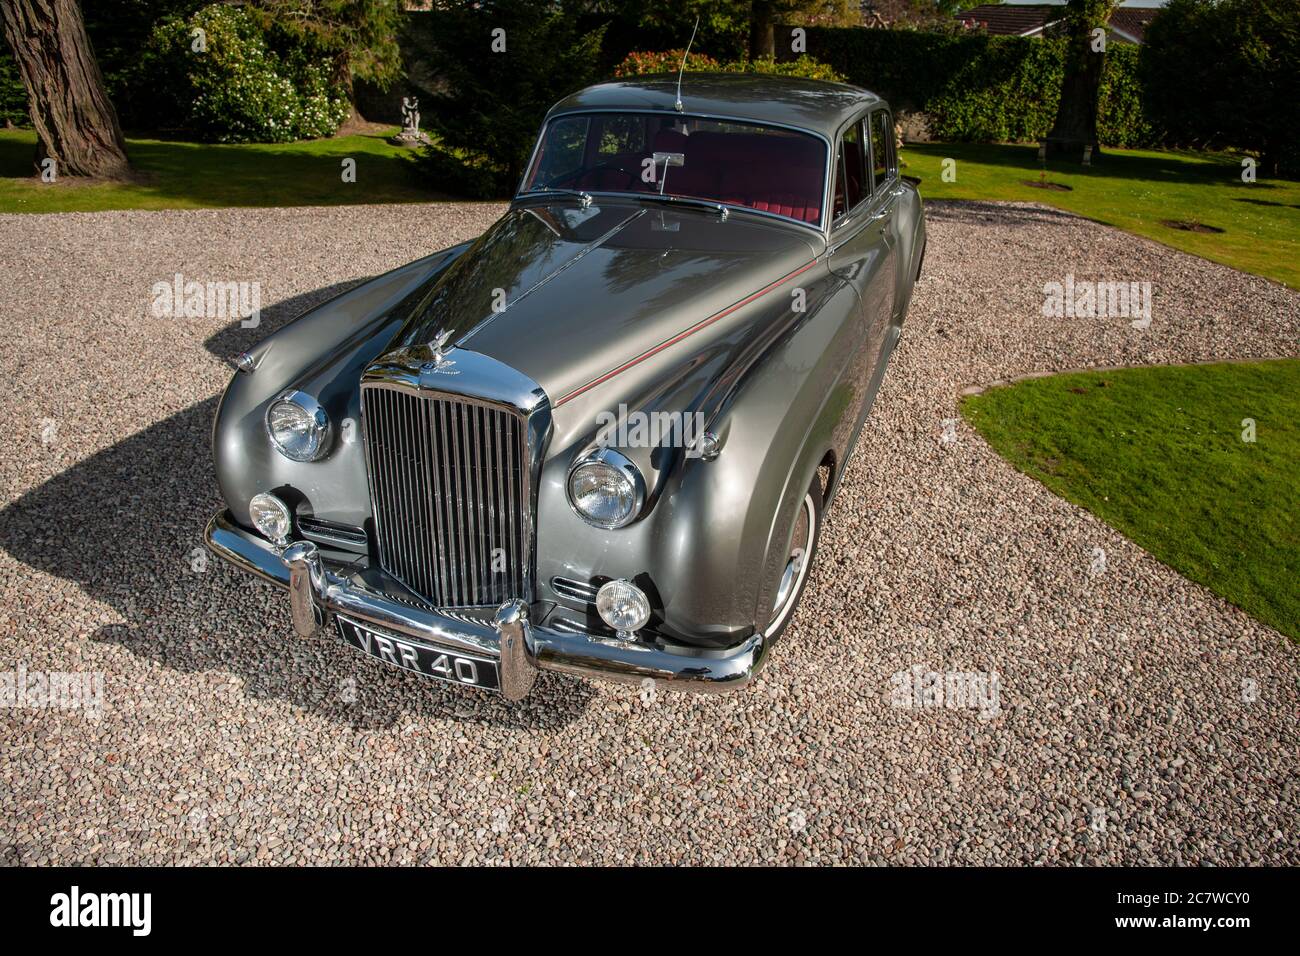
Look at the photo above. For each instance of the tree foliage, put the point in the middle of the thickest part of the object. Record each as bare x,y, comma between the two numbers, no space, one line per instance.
359,36
1227,74
981,88
668,61
503,63
729,28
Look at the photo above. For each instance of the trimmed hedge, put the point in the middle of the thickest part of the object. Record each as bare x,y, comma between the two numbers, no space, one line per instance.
980,88
669,61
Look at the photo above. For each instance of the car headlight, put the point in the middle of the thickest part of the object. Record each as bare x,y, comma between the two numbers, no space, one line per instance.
298,427
606,489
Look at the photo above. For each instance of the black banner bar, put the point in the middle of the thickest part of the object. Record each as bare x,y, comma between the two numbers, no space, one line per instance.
336,906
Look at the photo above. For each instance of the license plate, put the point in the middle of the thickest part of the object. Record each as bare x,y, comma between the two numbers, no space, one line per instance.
437,662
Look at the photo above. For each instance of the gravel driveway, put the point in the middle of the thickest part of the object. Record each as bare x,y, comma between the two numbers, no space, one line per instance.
1139,719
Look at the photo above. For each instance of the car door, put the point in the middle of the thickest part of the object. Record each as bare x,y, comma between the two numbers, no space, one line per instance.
886,196
861,247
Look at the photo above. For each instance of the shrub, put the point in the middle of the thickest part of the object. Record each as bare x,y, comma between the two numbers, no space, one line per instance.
119,32
980,88
240,89
1121,121
461,173
663,61
804,66
669,61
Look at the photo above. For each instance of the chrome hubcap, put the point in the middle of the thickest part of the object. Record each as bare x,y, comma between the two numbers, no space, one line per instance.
796,565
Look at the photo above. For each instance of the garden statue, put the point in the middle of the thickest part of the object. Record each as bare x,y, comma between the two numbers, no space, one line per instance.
410,134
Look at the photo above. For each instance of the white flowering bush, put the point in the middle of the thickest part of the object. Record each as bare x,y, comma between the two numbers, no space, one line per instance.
236,88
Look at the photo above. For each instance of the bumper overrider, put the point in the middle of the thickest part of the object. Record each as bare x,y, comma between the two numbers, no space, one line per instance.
518,644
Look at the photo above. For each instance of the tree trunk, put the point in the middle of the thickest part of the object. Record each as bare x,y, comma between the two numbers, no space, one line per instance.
762,30
76,125
1076,115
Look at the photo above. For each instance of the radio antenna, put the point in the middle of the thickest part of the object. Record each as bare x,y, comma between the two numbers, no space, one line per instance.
678,104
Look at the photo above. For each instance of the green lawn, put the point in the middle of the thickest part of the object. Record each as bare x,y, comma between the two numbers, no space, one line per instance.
1135,190
196,175
1158,454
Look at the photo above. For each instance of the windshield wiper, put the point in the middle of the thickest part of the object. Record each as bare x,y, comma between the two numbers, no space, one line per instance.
584,198
717,207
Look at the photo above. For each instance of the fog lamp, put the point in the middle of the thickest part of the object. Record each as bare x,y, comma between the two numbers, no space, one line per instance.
271,517
623,606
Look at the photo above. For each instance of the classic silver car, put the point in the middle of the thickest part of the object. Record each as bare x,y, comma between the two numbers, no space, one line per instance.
600,438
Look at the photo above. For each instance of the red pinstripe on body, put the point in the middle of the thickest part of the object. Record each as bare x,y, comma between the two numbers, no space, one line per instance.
688,332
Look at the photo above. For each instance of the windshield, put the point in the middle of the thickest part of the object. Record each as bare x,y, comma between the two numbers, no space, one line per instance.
773,170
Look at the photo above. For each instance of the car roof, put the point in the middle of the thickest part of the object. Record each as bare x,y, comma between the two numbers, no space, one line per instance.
814,105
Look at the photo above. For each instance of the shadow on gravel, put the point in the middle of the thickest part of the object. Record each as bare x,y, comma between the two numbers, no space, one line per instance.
127,526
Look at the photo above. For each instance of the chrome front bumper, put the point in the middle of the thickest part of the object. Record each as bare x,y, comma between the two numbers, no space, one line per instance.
521,646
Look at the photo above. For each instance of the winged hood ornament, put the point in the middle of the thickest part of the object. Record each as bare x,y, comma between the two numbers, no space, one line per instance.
439,360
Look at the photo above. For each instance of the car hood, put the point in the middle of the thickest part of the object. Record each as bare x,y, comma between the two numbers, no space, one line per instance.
568,295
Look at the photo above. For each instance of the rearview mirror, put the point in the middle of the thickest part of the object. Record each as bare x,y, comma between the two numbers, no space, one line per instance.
670,159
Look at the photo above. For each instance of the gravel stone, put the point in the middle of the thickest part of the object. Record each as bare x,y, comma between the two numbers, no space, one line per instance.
1139,718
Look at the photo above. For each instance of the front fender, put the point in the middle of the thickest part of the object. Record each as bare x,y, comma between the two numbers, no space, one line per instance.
793,414
714,540
322,352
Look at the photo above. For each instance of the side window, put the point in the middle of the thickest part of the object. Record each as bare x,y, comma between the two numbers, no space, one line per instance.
855,165
841,205
851,185
882,147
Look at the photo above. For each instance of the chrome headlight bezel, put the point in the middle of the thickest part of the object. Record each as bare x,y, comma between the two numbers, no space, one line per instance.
619,466
318,427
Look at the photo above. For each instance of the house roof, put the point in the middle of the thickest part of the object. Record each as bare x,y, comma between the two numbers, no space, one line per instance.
1132,22
1002,19
1006,19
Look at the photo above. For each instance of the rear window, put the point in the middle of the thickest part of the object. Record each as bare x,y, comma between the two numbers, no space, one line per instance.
772,170
852,185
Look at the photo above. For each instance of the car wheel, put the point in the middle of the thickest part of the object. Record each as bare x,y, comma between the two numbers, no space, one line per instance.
803,548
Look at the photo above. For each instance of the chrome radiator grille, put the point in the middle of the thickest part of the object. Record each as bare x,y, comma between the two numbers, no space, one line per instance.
449,484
